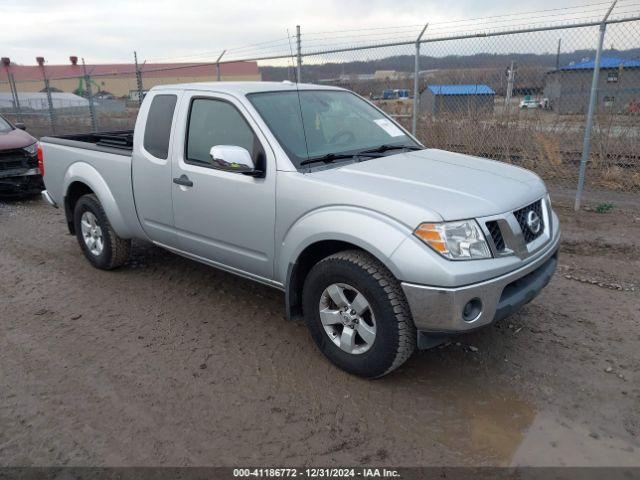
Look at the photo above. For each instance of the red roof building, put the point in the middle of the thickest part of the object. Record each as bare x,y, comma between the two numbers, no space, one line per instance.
119,79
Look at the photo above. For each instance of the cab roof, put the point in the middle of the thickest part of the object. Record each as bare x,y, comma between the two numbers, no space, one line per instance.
244,88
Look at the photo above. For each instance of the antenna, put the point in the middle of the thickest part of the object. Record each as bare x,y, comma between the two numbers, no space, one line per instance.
304,132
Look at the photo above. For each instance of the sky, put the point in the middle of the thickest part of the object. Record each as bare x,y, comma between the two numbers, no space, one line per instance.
195,30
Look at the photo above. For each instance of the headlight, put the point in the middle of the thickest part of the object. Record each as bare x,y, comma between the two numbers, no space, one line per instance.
461,240
31,149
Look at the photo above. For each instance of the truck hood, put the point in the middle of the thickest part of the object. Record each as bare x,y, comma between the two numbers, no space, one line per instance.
15,138
453,185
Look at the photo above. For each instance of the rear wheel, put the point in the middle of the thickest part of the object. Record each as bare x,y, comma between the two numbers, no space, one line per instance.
97,239
357,314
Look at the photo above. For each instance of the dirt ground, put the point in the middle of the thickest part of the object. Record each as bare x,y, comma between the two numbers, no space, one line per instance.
168,362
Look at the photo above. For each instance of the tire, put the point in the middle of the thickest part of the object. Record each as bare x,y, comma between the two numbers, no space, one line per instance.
114,251
387,313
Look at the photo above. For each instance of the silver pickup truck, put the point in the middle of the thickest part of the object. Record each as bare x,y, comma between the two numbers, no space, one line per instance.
380,244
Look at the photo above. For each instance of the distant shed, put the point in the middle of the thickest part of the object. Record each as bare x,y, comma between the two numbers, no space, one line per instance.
568,88
436,99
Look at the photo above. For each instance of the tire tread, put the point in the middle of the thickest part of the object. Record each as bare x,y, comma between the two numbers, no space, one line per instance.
395,296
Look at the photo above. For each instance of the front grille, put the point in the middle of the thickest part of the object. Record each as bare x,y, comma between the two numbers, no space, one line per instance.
10,165
18,158
523,215
496,235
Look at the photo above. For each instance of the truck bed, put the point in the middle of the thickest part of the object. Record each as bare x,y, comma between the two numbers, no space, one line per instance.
118,142
101,161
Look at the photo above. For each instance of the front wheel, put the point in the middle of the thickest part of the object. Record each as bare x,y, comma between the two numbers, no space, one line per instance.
98,241
357,314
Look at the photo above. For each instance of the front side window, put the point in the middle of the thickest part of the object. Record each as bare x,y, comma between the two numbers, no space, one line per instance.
217,122
315,123
612,77
158,128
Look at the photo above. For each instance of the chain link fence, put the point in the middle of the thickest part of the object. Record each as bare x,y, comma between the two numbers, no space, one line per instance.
517,93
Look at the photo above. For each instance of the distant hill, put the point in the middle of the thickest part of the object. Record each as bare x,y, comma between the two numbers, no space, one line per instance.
404,63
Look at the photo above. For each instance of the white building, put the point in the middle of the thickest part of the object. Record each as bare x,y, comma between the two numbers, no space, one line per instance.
38,100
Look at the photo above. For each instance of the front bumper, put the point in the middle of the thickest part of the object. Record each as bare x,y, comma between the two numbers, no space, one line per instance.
21,182
440,310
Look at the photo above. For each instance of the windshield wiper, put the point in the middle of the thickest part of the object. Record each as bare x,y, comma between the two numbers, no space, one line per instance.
386,148
328,158
372,152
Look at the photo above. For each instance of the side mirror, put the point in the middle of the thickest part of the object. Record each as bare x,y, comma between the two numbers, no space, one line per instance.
230,158
20,126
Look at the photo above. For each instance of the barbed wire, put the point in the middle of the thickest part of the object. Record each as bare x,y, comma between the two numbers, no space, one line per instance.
381,34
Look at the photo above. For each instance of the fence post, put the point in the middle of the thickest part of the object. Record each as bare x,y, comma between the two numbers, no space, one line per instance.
138,78
299,56
593,97
47,88
416,84
92,109
218,75
16,99
6,61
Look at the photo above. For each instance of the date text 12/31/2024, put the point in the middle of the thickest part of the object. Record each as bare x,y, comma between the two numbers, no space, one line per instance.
315,473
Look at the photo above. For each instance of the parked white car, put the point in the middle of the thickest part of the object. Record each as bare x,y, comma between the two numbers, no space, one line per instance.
530,103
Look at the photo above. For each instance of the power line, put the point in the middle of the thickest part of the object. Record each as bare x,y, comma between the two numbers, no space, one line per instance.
515,14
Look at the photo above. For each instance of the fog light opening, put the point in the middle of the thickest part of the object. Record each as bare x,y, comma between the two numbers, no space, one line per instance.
472,310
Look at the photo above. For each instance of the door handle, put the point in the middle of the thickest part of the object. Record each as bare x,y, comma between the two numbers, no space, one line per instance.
183,180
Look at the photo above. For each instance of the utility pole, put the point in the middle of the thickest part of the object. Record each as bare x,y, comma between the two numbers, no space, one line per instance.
299,47
510,81
416,84
558,54
47,88
138,78
92,109
586,145
218,65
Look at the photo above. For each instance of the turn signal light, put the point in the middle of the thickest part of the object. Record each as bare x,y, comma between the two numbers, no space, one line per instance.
429,234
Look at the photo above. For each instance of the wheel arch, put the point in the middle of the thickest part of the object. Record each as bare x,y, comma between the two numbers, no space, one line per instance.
81,179
315,238
75,190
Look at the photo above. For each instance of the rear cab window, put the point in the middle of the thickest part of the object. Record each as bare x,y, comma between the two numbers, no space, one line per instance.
157,131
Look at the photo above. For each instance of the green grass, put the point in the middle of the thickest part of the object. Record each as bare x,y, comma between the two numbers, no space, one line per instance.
604,208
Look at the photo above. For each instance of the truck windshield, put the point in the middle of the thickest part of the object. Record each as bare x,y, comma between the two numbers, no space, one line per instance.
335,125
4,125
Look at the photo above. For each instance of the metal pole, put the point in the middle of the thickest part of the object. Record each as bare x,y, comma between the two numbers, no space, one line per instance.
299,46
218,65
416,83
558,54
14,93
138,78
47,88
586,145
92,109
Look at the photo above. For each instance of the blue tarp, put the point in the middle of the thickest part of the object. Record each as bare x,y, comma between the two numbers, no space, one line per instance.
478,89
